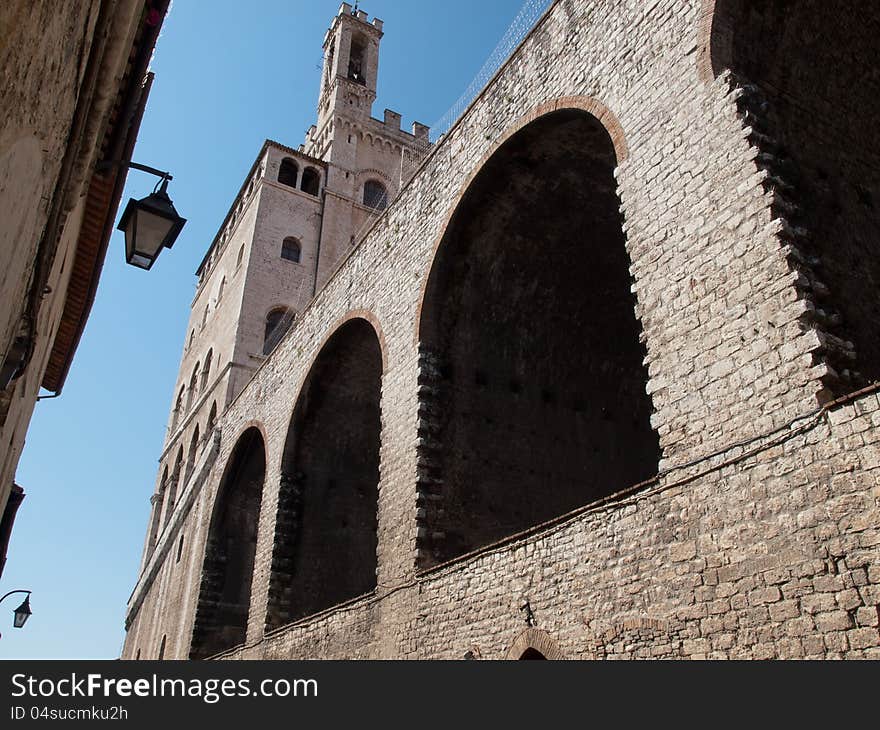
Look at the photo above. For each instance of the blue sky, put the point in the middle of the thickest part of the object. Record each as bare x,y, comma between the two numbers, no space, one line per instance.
228,75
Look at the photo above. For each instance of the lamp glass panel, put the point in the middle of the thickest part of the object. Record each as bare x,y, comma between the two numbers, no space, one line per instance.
152,230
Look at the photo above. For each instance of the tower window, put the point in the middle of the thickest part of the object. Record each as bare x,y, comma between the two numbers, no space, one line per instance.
240,256
375,195
356,60
288,172
291,250
311,181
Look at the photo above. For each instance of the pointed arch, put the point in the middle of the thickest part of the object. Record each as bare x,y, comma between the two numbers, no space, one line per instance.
546,349
328,498
230,550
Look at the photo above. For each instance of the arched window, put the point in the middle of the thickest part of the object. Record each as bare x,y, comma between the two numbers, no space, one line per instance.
311,181
220,289
173,484
291,250
240,256
178,407
204,319
278,321
192,335
193,386
288,172
375,195
156,520
212,416
206,371
191,456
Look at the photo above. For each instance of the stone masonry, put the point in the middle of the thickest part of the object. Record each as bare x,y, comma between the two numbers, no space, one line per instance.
636,205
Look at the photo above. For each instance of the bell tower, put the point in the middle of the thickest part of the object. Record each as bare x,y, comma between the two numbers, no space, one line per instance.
351,66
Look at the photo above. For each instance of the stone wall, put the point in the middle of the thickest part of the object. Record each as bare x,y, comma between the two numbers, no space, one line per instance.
758,534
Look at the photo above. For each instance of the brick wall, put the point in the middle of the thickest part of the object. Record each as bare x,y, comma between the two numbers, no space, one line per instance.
757,536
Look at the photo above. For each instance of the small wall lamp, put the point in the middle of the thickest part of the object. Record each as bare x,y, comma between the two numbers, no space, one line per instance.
23,612
150,224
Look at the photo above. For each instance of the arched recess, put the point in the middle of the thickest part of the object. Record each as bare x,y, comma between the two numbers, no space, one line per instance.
810,86
227,571
532,397
325,535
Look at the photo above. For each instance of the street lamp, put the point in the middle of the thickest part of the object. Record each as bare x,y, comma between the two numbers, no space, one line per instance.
150,224
23,612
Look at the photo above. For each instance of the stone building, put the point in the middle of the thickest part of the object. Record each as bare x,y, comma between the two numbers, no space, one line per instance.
599,383
73,85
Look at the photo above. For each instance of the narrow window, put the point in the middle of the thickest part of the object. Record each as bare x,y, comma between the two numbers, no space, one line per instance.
178,407
220,290
288,172
179,549
162,648
291,250
375,195
311,181
240,256
206,371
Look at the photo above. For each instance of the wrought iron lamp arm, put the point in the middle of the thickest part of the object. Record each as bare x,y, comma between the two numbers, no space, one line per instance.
12,593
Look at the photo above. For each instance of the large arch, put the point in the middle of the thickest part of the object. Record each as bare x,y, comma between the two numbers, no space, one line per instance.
532,383
810,80
325,535
227,571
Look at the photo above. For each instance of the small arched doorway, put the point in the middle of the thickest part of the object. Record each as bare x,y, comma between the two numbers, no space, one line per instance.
534,644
